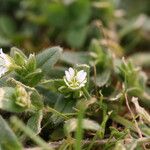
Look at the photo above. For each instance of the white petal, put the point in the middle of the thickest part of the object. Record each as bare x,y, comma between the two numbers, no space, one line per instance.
5,58
3,70
1,51
2,55
81,76
71,72
68,77
83,83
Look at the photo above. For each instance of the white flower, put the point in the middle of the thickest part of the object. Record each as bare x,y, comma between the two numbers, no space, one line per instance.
74,79
5,63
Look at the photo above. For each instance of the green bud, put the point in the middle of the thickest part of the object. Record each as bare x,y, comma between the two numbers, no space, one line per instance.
31,63
14,99
19,59
22,97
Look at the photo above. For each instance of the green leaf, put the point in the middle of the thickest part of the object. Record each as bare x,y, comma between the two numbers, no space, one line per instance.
63,106
4,41
71,125
103,78
76,36
34,121
56,73
57,14
60,103
31,63
48,96
7,26
73,58
76,17
145,129
118,134
53,84
134,79
15,50
36,100
8,140
47,58
57,134
99,55
33,78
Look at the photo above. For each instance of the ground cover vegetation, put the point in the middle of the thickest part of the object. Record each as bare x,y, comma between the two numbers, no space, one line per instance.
74,75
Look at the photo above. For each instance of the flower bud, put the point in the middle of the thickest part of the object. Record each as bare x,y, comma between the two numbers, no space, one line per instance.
22,97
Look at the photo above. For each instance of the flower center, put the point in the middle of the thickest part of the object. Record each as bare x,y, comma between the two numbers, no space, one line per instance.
74,82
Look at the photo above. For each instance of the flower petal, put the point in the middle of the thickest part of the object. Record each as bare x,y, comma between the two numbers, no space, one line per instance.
68,77
1,51
81,76
2,55
71,72
3,70
5,58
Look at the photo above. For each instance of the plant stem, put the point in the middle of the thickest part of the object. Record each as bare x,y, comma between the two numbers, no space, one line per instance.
103,125
49,109
51,81
79,131
86,93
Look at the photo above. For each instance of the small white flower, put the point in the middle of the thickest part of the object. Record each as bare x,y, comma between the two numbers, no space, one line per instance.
5,63
74,79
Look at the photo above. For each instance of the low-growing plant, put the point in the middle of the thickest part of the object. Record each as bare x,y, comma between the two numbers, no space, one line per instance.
88,105
66,22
